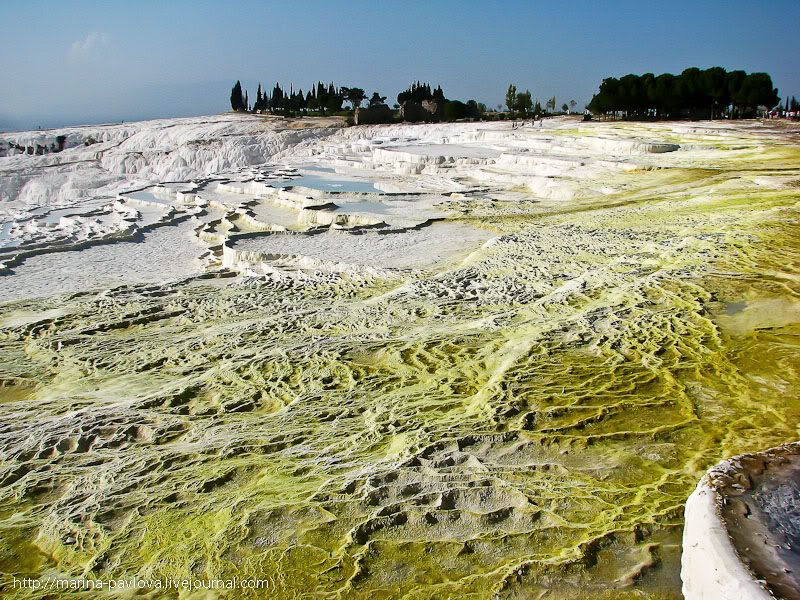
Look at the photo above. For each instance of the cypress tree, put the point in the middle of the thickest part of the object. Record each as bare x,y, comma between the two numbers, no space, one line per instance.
277,102
237,101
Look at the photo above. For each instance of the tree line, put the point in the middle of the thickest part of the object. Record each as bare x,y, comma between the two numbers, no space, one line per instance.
792,105
320,98
447,109
522,104
694,94
327,99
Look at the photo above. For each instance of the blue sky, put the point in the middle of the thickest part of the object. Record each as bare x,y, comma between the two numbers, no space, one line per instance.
83,61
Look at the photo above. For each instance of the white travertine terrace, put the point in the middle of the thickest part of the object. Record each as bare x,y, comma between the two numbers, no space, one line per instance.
114,183
741,532
711,568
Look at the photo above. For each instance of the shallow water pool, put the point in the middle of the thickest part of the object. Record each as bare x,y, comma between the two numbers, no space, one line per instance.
331,184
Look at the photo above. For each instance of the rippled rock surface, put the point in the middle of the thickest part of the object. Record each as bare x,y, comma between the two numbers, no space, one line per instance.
517,412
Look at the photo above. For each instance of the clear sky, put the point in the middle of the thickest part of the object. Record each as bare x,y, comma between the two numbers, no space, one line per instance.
82,61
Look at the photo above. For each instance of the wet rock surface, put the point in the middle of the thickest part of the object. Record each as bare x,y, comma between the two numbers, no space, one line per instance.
761,509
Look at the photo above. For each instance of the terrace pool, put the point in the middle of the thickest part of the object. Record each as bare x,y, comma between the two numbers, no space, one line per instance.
327,183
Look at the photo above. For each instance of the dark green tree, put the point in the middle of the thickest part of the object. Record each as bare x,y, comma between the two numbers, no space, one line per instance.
277,100
333,98
237,100
354,96
376,99
523,103
715,88
757,92
454,110
511,97
419,92
734,81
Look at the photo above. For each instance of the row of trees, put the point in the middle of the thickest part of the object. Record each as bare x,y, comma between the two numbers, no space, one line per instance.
695,93
326,99
522,104
320,98
448,110
420,92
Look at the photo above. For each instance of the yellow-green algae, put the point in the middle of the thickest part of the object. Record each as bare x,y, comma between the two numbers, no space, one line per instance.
527,424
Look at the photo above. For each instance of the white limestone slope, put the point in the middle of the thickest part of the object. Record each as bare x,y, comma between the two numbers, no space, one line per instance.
227,176
105,158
